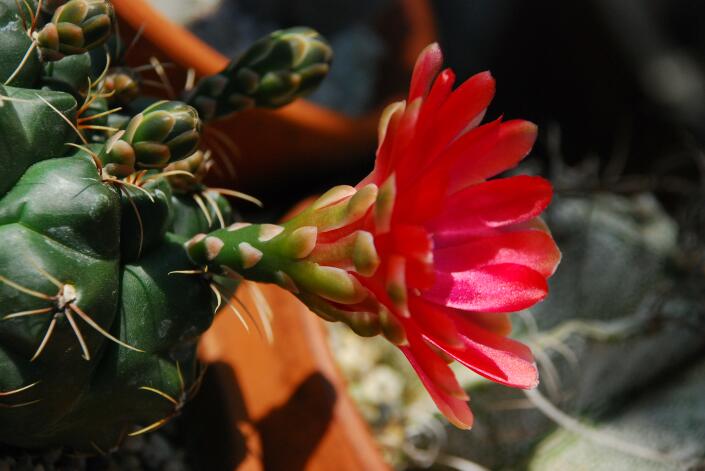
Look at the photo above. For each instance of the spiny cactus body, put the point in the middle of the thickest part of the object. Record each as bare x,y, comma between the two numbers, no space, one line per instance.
100,306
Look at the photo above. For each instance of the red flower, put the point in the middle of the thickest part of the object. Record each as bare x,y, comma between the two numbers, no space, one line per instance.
457,251
425,250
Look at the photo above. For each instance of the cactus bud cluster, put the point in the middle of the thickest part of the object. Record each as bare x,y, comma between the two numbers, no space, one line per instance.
164,132
122,85
275,71
76,27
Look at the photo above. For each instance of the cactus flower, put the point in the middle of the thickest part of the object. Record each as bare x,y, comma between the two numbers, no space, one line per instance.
426,250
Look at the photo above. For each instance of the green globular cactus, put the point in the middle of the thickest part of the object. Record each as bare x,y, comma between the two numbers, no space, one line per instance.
275,71
101,306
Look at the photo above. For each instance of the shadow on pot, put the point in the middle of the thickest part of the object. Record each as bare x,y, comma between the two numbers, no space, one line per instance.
220,434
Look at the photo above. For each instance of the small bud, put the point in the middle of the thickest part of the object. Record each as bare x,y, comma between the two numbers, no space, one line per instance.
384,206
333,284
396,283
197,164
274,71
213,247
250,256
391,327
164,132
269,231
122,84
118,157
301,242
355,252
363,323
196,250
364,257
338,207
76,27
334,195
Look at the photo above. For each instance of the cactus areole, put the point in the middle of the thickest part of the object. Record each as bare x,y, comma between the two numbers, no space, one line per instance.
101,308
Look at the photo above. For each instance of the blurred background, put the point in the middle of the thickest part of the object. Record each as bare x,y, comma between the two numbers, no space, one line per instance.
617,88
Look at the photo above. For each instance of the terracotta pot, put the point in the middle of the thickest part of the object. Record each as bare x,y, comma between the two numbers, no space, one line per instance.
279,145
280,406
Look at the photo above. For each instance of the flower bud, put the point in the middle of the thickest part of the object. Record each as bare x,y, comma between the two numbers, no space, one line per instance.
76,27
118,157
275,71
197,164
122,84
164,132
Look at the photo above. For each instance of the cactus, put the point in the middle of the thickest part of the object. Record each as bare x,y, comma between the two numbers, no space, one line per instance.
100,306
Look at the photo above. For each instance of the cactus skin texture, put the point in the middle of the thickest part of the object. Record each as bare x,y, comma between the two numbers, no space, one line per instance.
101,307
275,71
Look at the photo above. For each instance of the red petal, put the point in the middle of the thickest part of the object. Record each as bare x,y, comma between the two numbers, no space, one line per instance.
462,108
487,353
534,249
384,152
479,159
427,194
495,288
454,409
414,243
404,136
441,90
418,155
439,321
478,209
493,356
461,111
496,322
434,365
434,321
427,66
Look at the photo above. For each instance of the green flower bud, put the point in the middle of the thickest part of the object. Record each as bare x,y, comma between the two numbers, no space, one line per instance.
76,27
164,132
197,164
118,157
275,71
123,84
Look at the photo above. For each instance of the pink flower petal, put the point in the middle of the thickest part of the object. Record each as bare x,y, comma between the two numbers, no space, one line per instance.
493,356
427,66
454,409
478,209
532,248
478,159
462,108
488,353
384,151
496,288
434,321
496,322
417,156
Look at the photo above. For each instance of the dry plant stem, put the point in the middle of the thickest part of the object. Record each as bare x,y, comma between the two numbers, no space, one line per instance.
599,438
